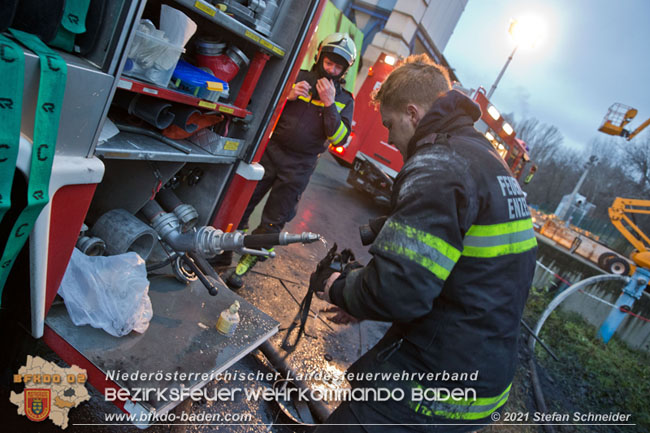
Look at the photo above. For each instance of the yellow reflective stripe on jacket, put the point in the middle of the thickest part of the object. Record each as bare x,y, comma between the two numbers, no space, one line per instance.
427,250
312,101
339,134
466,409
499,239
339,105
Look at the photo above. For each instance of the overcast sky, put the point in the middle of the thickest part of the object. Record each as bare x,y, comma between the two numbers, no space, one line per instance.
594,53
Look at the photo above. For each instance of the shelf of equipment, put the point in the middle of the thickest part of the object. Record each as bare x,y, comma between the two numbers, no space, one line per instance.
127,145
218,17
149,89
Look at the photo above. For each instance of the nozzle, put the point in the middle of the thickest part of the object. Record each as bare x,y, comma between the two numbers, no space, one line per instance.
304,237
270,239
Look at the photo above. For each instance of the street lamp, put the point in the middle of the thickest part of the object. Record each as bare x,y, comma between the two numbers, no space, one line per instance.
526,32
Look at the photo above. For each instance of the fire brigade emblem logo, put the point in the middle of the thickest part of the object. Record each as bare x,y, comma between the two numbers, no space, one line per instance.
50,391
37,404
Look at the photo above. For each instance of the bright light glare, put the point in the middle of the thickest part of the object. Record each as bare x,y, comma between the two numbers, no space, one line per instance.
489,136
527,31
507,128
390,60
494,112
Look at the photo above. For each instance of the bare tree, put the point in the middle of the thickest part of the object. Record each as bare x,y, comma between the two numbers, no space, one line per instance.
546,151
606,180
621,170
636,155
544,140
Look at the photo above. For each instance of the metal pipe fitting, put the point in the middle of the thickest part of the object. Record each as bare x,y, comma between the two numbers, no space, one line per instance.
232,241
208,241
205,240
267,240
91,246
304,238
186,213
166,225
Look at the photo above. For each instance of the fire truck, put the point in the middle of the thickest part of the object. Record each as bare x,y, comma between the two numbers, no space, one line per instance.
105,174
374,162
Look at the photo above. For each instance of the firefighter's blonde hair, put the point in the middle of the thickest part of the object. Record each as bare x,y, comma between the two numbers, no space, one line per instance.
418,80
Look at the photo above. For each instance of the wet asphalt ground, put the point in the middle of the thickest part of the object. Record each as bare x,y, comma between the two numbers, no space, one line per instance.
276,286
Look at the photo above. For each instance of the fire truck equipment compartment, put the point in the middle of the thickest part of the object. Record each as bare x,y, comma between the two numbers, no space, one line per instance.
182,328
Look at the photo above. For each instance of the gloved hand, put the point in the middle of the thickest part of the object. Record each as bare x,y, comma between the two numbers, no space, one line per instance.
324,270
333,267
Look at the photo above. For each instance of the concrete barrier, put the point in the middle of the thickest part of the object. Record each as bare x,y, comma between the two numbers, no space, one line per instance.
593,303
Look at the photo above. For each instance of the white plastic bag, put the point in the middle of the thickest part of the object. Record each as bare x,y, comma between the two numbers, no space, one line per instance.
111,293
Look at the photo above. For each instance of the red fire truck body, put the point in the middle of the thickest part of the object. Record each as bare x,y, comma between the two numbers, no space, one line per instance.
375,163
101,166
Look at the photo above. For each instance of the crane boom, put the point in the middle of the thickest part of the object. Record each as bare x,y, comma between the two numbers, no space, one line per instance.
618,215
639,129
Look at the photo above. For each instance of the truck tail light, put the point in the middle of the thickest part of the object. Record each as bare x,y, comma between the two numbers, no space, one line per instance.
339,149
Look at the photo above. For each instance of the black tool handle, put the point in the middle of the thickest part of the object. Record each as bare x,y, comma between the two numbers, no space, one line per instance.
266,240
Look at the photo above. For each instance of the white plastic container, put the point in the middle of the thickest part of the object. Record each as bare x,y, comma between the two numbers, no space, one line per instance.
152,58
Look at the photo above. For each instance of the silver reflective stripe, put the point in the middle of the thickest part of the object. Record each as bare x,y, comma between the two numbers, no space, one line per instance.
493,241
488,241
339,134
427,250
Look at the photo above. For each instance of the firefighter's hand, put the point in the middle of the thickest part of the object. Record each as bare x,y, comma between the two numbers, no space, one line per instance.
300,89
340,316
325,293
326,91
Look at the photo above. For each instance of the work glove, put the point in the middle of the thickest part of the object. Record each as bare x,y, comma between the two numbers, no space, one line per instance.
324,270
341,263
330,267
334,267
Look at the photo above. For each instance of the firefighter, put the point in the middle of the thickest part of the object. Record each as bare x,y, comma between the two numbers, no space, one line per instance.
318,112
451,269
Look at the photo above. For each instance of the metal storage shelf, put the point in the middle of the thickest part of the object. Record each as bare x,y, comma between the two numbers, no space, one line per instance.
213,14
133,85
77,104
182,328
127,145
